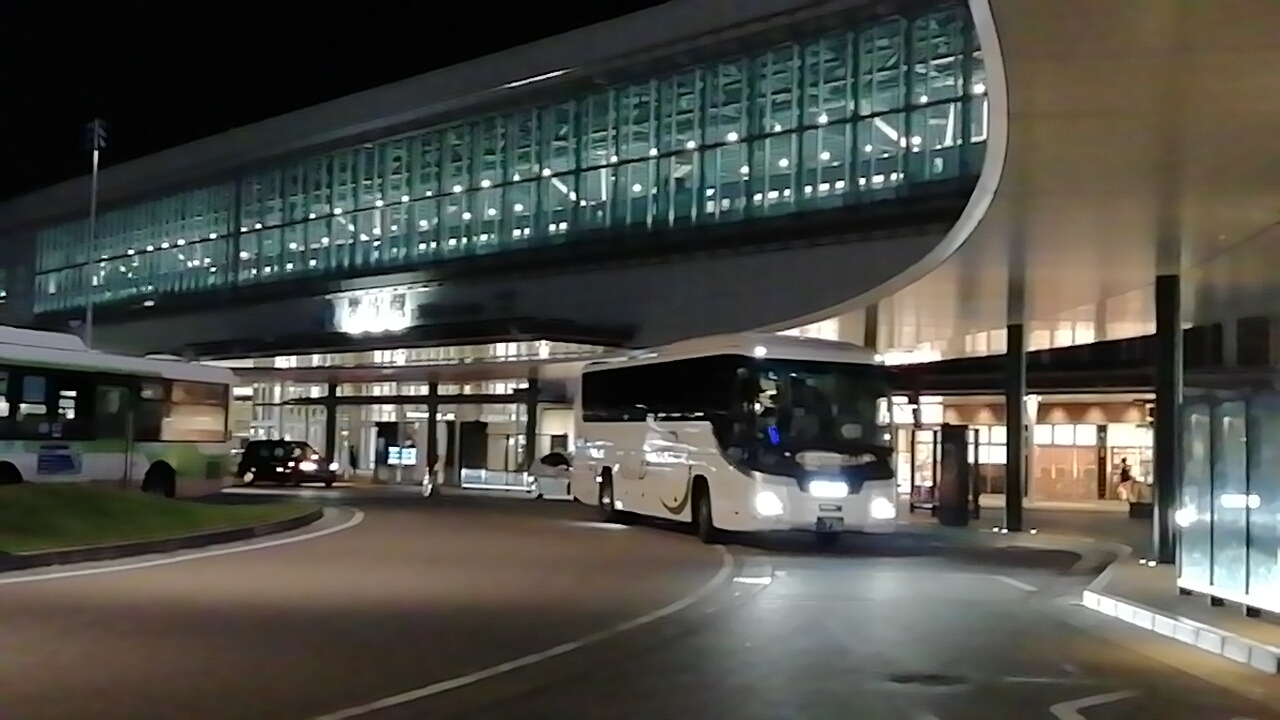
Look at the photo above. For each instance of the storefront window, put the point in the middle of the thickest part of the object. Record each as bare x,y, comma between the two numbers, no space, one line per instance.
1065,435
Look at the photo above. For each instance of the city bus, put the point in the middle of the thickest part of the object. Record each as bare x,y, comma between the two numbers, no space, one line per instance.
71,414
742,433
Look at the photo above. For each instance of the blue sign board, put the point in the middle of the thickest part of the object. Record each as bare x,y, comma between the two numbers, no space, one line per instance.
57,460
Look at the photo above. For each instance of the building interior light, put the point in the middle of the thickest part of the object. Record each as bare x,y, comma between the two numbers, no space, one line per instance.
679,167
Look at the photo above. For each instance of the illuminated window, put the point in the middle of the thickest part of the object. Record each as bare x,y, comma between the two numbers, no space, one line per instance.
853,116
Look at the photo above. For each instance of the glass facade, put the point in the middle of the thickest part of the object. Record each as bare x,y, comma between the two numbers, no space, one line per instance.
850,117
1228,541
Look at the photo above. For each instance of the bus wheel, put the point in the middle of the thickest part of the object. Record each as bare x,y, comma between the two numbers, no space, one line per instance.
9,474
608,513
605,500
160,479
703,524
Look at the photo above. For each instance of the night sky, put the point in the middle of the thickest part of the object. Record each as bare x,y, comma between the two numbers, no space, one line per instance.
163,74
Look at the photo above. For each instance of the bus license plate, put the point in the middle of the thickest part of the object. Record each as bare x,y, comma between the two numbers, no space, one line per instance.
830,524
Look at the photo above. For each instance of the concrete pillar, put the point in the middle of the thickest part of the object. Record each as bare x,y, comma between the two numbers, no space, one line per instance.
1100,321
1015,392
530,425
432,450
331,423
871,328
1231,343
1168,415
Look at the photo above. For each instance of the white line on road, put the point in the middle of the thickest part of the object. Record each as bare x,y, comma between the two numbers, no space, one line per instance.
1027,680
1015,583
355,519
726,567
1070,710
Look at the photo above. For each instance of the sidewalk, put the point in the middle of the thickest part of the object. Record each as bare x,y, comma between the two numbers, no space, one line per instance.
1148,598
1099,527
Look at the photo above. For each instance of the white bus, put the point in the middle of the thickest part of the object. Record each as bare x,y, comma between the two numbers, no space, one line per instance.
71,414
750,432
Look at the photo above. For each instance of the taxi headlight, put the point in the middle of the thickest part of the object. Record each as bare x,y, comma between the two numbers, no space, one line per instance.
307,466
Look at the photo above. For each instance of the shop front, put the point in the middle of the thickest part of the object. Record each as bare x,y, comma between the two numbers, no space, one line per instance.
1079,446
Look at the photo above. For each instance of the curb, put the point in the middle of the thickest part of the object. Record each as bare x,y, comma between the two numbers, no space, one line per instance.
1256,655
117,551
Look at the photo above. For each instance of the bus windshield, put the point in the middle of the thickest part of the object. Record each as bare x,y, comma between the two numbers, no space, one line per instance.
798,405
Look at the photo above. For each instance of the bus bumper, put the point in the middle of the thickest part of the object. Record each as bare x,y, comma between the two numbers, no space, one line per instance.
870,511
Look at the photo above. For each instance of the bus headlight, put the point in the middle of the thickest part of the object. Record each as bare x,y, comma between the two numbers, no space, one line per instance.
768,504
307,466
828,489
882,509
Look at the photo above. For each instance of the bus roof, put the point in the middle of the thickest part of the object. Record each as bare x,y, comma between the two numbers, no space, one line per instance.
61,350
771,345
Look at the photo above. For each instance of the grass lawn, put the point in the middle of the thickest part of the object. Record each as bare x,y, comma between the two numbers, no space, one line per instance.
43,517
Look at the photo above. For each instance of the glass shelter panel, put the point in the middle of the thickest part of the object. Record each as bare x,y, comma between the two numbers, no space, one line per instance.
1197,494
1230,484
1264,484
849,117
1230,497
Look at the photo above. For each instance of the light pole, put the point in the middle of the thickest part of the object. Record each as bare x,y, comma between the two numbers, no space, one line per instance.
97,131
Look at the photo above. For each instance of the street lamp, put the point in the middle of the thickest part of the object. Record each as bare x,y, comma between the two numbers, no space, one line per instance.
97,136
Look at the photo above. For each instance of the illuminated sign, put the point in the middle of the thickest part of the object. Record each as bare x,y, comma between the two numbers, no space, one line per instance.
393,310
384,311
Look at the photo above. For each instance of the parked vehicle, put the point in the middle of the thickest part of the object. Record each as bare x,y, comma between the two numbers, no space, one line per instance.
549,476
284,462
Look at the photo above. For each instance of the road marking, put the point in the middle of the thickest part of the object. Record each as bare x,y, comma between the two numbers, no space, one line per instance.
355,519
1070,710
726,568
1031,680
591,525
1015,583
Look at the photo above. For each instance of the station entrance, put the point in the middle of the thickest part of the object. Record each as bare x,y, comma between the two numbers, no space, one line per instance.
466,423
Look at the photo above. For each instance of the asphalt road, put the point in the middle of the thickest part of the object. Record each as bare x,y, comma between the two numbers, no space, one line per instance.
421,593
416,592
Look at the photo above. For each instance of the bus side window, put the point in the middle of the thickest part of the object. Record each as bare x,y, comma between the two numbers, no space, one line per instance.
150,411
70,404
110,412
33,410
